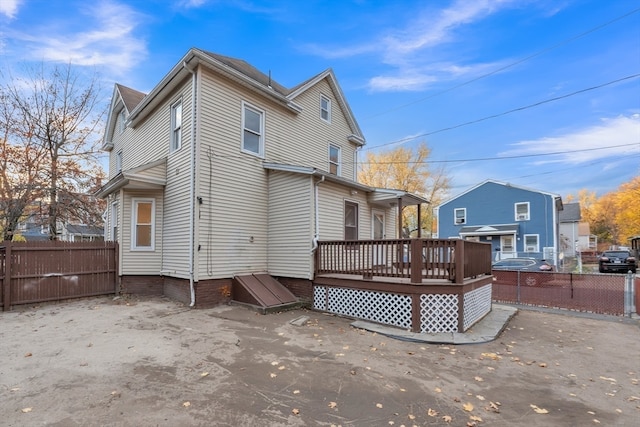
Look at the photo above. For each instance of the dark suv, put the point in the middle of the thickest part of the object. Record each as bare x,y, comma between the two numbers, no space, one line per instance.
617,261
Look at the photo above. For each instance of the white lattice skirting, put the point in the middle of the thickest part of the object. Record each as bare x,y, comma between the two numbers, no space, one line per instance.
438,312
389,309
477,304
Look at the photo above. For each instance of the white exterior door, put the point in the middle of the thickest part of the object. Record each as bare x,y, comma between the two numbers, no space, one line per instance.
378,233
507,247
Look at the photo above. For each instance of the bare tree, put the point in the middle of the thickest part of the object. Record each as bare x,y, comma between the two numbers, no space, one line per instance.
59,113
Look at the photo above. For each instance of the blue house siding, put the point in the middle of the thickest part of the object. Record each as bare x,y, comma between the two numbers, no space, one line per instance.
487,212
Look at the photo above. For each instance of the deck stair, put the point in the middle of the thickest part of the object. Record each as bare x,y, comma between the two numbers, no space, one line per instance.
263,293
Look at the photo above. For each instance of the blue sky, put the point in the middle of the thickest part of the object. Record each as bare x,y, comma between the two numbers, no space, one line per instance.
544,94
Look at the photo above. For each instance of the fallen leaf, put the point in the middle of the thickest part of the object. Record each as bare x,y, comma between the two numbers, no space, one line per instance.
15,389
332,404
539,410
28,355
186,404
25,410
281,368
275,363
596,421
479,397
468,406
296,391
437,390
378,405
432,413
447,418
608,379
475,418
295,411
411,417
493,356
272,375
204,374
543,365
479,379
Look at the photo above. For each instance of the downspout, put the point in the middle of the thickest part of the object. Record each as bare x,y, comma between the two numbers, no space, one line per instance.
192,184
317,215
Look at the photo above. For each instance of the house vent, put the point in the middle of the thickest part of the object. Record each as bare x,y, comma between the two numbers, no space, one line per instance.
522,217
459,221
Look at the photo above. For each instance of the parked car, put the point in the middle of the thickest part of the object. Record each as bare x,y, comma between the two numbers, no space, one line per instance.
522,264
617,261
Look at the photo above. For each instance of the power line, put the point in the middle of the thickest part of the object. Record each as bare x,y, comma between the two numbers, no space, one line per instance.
513,64
493,116
483,159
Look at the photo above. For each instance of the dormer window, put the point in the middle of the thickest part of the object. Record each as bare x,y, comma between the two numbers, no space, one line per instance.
325,109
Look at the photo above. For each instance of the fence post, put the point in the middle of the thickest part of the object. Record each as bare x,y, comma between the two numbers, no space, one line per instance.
629,297
6,300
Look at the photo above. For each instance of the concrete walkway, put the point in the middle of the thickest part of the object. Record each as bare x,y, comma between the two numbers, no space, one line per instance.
487,329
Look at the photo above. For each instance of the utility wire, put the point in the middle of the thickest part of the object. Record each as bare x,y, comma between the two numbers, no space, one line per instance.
513,64
493,116
483,159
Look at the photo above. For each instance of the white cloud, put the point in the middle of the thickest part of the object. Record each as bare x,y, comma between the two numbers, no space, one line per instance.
621,134
106,38
9,7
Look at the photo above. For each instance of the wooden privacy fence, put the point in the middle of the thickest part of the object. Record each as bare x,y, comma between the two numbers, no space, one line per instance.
32,272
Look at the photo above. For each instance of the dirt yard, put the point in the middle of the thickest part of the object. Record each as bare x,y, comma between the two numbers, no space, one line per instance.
154,362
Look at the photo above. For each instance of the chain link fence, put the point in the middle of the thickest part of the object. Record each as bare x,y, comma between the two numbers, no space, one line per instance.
595,293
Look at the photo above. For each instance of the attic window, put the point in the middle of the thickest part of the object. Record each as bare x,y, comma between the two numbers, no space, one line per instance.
325,109
176,126
121,121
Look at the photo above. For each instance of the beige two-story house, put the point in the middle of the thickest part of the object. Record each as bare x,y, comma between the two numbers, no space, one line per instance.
220,172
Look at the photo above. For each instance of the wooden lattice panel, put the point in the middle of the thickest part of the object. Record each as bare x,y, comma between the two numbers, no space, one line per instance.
438,313
477,303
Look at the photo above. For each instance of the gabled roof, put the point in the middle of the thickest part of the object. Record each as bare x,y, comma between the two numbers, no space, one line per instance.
123,97
505,184
247,76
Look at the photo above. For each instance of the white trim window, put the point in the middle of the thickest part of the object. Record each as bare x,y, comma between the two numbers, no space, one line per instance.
460,216
122,119
176,126
334,159
252,130
113,222
143,226
119,161
325,108
531,243
522,211
350,221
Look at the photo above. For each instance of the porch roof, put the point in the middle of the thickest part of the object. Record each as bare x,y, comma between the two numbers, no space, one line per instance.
137,179
488,230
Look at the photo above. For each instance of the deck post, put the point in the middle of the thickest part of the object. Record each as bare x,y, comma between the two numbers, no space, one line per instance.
416,315
6,291
459,261
416,261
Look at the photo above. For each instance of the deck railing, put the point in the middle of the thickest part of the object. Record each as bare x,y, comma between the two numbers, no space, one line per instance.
415,259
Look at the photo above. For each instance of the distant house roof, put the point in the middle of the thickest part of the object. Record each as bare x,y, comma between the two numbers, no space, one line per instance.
85,230
489,230
570,213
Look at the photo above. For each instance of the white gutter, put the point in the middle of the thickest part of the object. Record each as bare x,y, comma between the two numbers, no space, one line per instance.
192,189
317,215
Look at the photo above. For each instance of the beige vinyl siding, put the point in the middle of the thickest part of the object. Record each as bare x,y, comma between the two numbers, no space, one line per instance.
232,220
291,225
140,262
331,210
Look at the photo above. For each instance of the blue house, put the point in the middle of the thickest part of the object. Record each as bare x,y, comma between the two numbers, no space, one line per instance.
517,221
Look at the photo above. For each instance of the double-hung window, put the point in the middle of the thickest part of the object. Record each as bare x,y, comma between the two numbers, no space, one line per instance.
460,215
350,221
114,222
176,126
252,130
325,108
334,159
522,211
143,224
119,161
121,121
531,243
